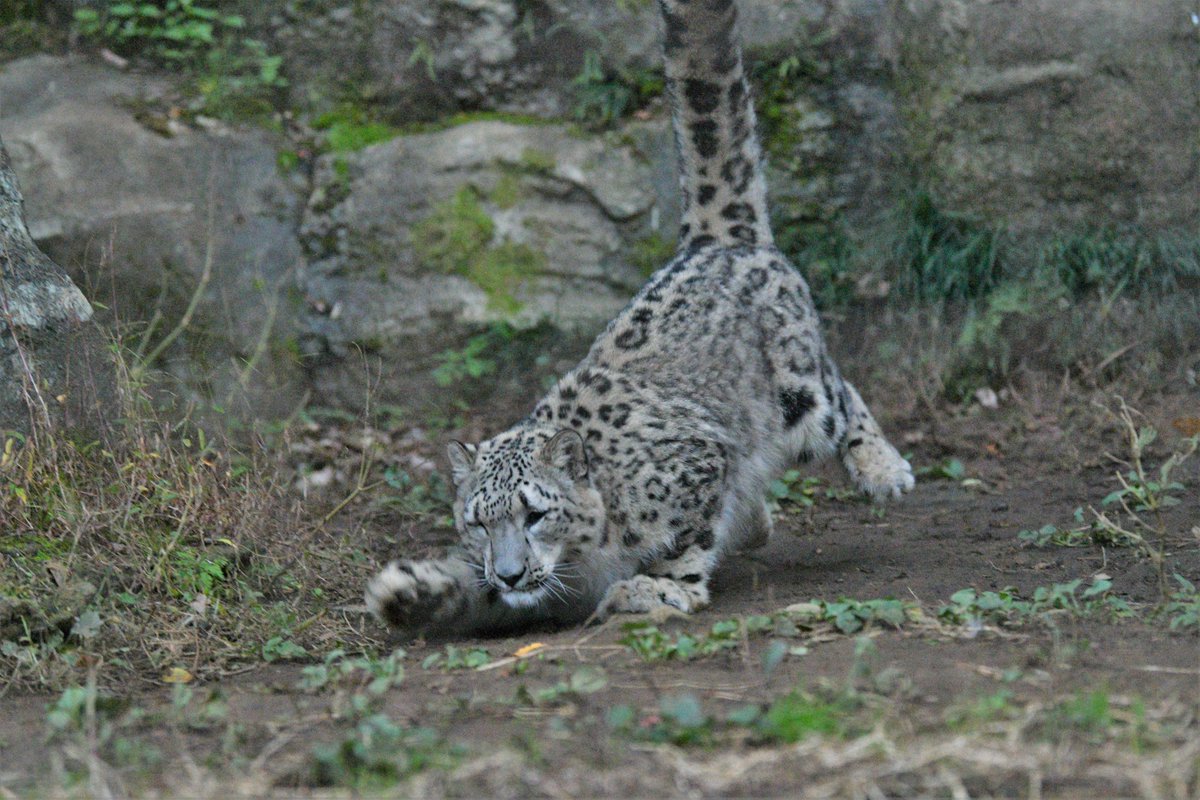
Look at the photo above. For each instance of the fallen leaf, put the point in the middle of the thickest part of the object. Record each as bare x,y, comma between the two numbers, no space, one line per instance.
528,649
177,675
1188,426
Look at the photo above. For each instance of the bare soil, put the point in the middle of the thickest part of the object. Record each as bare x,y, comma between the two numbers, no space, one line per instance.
1031,462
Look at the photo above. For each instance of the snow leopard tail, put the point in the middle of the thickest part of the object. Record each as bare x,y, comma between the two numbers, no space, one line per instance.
724,194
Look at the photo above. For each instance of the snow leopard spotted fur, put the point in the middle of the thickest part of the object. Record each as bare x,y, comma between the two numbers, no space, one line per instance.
648,461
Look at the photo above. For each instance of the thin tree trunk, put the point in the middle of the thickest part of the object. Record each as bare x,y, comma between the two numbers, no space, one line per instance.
54,367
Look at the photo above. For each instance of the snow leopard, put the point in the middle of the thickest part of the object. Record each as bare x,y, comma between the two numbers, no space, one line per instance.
649,460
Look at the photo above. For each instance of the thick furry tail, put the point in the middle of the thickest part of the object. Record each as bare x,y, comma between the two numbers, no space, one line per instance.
724,191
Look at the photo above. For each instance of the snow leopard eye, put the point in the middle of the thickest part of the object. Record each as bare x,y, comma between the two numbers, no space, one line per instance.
532,516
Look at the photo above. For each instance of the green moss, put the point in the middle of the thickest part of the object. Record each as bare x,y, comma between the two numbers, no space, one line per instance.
349,128
457,238
455,234
651,252
34,547
508,190
502,270
537,160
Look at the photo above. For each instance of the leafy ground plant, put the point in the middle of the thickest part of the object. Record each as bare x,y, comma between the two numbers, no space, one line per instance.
1007,607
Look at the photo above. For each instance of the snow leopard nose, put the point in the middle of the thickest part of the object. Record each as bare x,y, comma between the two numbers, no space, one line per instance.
512,579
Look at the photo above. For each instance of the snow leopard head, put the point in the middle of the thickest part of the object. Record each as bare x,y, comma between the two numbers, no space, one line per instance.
526,509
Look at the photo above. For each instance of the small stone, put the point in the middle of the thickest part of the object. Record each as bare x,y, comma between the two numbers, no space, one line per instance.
987,398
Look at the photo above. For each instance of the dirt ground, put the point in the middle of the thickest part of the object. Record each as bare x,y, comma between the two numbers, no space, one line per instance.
1067,703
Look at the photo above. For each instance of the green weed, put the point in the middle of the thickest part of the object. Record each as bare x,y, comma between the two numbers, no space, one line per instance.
1007,607
795,489
945,256
350,128
234,75
1183,606
1113,261
652,252
354,673
452,658
845,615
1082,534
379,753
603,96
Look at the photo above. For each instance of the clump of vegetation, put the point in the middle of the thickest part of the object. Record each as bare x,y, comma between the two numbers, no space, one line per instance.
236,76
27,26
349,128
1113,261
603,95
846,616
1007,607
945,256
139,549
458,237
378,753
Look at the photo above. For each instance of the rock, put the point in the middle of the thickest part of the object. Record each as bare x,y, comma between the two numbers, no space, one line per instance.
37,618
1050,115
416,242
54,368
430,57
135,215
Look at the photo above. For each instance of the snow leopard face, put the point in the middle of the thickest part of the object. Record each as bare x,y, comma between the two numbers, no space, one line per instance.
527,512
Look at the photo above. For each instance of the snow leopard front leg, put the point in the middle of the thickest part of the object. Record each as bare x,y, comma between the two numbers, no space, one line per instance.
445,596
677,580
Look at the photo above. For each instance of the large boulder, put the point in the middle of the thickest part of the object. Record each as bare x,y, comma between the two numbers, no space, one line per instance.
415,242
1053,113
432,56
139,209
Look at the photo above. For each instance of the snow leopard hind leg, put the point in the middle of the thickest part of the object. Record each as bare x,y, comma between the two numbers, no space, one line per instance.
821,414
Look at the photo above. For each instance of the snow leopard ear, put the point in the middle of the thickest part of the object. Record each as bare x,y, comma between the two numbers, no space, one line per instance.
565,451
462,460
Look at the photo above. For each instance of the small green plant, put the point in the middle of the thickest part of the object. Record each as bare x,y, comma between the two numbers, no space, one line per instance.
949,469
235,76
457,658
1183,606
946,256
173,31
1113,261
378,753
652,252
1082,534
476,358
680,720
355,673
587,679
349,128
798,715
434,497
1086,713
796,489
279,648
1143,495
989,708
1007,607
603,96
653,644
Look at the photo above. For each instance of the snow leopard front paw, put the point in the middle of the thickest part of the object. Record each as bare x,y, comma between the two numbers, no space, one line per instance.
878,469
643,594
412,595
